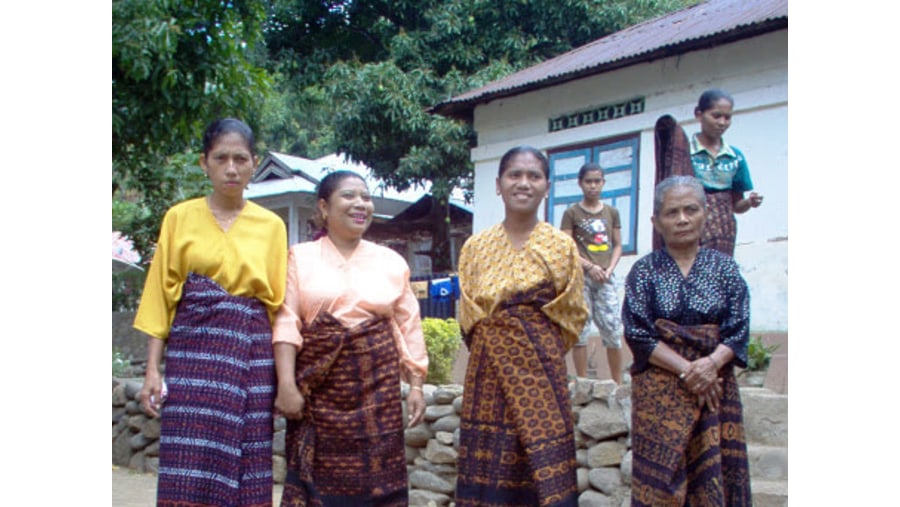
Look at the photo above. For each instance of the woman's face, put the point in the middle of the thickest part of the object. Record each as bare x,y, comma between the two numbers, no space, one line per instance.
715,120
523,186
592,184
229,165
348,211
681,218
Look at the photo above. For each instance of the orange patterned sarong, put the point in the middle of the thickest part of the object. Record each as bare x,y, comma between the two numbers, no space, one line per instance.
517,445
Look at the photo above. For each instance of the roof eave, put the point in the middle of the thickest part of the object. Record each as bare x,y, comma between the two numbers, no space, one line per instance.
464,110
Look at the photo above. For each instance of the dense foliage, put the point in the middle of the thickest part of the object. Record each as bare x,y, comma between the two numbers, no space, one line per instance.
314,77
176,64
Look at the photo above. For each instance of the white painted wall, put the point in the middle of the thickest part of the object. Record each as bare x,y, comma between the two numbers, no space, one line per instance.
754,71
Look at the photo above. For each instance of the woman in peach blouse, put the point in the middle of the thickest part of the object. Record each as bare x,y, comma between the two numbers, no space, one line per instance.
348,332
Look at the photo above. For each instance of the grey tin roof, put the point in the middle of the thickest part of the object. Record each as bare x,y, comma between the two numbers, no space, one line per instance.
701,26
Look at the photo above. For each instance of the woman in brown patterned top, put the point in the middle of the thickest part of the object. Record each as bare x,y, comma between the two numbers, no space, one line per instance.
522,309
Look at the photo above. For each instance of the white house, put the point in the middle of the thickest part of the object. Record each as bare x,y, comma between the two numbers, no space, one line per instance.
600,102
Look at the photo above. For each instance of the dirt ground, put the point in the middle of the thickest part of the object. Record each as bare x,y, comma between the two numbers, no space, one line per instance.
134,489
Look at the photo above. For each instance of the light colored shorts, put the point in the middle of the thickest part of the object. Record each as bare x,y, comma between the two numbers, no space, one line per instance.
603,307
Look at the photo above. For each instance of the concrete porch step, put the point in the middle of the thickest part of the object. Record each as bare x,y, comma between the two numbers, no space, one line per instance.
768,493
765,416
766,427
768,462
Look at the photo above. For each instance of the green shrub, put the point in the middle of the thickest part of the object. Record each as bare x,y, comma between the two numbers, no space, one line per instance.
442,340
126,289
119,363
759,355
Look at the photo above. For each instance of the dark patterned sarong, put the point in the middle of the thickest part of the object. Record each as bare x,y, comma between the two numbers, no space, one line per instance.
685,455
517,445
348,449
721,227
673,156
216,428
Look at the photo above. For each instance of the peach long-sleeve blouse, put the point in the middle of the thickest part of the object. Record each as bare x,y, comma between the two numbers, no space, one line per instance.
374,281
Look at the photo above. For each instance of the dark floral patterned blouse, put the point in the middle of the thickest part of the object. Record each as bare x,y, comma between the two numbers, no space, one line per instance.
714,292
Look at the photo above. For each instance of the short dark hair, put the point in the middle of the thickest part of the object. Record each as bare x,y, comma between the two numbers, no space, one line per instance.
223,126
586,168
518,150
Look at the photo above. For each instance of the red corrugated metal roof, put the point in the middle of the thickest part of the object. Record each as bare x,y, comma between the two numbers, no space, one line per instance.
703,25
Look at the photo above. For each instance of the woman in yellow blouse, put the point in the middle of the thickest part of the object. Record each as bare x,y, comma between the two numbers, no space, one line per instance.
216,280
522,309
348,332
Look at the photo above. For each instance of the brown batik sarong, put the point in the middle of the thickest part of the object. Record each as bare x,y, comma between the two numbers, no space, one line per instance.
720,230
517,446
684,454
348,449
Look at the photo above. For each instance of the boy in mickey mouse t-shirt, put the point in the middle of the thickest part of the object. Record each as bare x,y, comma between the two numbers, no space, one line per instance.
596,228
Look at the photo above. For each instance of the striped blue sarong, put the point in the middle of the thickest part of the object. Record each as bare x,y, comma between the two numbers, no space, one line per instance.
216,428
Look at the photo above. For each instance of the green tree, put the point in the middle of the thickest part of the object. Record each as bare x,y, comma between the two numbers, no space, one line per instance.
176,65
296,118
316,76
383,63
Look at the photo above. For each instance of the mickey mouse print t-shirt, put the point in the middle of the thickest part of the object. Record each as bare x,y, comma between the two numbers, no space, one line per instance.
592,231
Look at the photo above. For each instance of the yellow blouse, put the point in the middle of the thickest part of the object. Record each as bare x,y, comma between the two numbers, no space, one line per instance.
250,259
491,270
374,281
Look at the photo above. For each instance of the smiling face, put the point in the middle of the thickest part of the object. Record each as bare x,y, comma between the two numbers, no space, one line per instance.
523,184
715,120
348,210
229,164
681,217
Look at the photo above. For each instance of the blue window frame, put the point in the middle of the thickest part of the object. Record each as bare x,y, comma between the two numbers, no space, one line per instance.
619,159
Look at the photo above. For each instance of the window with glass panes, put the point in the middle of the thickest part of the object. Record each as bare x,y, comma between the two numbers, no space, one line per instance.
619,159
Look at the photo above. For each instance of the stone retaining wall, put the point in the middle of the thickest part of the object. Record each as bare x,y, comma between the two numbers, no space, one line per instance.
601,416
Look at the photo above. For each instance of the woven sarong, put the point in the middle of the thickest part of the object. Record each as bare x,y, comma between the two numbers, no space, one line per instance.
685,455
517,445
216,428
673,156
348,449
721,227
